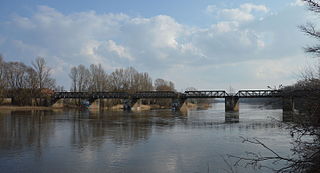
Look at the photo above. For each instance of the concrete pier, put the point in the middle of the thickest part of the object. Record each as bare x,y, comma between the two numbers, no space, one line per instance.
128,104
232,104
177,104
97,104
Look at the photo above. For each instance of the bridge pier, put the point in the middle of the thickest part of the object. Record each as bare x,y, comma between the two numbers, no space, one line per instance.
96,104
128,104
232,104
287,108
177,103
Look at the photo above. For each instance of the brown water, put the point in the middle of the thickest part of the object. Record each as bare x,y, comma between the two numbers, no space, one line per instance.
151,141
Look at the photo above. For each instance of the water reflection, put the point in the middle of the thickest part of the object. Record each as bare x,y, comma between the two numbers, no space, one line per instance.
232,117
159,141
20,129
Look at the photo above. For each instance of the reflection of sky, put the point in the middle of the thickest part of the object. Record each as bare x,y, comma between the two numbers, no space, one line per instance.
153,141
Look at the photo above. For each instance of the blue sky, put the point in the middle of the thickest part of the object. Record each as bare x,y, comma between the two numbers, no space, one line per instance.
206,44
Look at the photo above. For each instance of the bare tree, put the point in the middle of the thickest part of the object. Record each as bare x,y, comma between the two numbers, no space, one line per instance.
310,28
163,85
83,80
98,79
130,80
42,72
74,78
3,82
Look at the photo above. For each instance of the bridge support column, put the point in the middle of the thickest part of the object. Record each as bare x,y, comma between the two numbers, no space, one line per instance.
232,104
177,103
287,108
97,104
128,104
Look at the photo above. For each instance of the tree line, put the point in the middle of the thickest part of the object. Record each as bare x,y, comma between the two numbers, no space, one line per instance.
96,79
22,82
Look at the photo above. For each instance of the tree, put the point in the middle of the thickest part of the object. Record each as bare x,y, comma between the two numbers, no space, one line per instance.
310,29
74,78
3,82
80,78
98,79
42,72
163,85
130,80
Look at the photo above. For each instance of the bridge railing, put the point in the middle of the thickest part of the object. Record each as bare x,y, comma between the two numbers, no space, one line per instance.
155,94
59,95
120,95
206,94
92,95
258,93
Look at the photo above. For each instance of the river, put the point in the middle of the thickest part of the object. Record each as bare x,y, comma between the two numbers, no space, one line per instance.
148,141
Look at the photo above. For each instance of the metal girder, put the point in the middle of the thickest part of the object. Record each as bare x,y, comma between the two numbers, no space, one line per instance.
107,95
206,94
90,95
258,93
155,94
185,95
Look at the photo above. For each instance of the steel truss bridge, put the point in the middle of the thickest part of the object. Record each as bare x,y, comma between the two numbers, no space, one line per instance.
167,94
178,99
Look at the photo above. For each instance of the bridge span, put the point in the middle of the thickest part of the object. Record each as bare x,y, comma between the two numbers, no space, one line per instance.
178,98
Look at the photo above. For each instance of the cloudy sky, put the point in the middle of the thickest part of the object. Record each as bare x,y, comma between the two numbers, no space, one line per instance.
207,44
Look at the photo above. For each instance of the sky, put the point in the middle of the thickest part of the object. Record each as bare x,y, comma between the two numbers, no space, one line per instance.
206,44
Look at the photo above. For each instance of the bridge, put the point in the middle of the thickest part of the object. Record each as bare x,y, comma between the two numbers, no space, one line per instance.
178,99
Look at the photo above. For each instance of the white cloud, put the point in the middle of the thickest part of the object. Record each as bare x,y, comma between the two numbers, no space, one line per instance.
297,3
159,44
211,9
252,7
121,51
242,14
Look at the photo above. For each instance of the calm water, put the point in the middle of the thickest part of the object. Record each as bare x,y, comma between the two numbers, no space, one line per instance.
151,141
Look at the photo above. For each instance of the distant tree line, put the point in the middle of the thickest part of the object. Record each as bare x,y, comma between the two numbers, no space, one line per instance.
96,79
22,82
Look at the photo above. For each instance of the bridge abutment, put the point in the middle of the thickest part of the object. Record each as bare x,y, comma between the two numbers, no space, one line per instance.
231,104
57,103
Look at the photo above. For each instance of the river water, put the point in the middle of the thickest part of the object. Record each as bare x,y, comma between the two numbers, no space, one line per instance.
148,141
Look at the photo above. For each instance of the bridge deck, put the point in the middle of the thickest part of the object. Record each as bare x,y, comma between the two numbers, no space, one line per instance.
258,93
206,94
185,95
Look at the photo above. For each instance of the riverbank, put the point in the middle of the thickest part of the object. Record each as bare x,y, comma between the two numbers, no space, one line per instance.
11,107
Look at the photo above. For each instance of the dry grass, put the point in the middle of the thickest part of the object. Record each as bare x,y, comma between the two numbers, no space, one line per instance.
26,108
